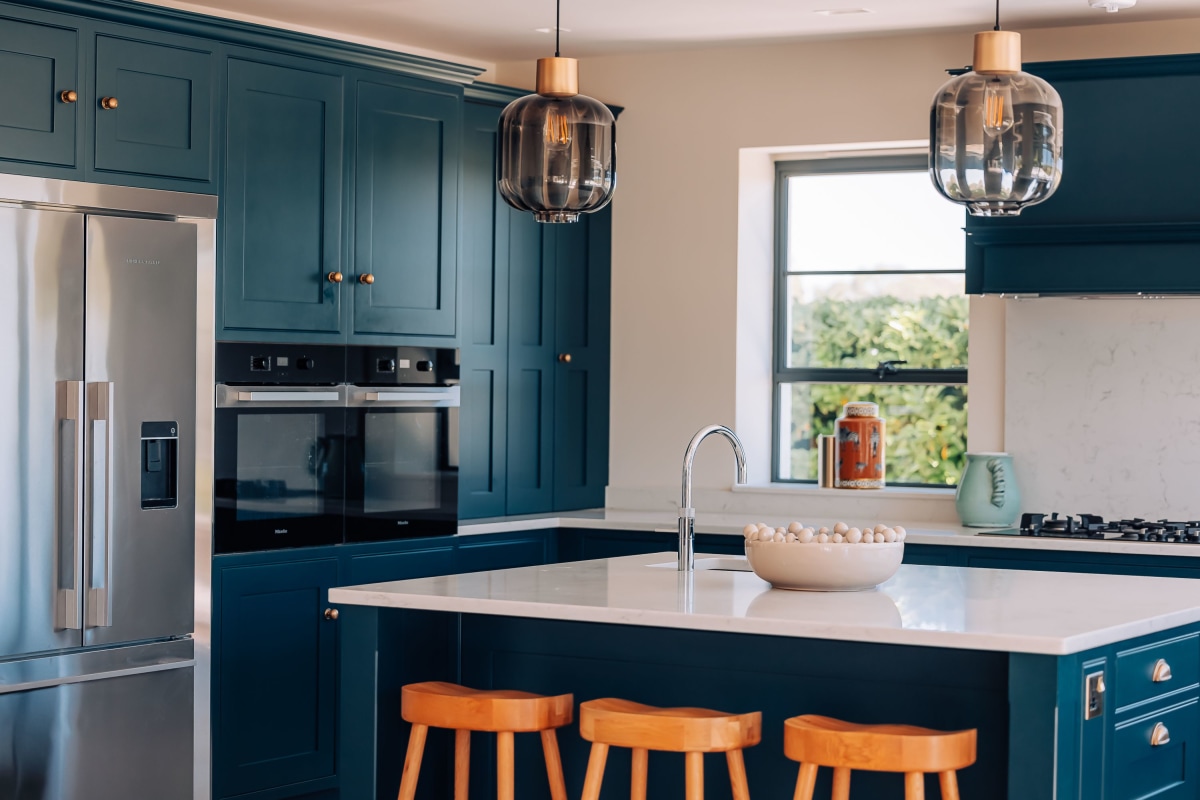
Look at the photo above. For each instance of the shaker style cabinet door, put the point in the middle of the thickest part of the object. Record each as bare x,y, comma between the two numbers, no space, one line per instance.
37,121
282,203
406,210
153,106
275,683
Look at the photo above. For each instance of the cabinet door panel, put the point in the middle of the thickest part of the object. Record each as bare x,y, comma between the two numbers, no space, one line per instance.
582,268
531,362
484,269
275,714
283,199
38,62
406,206
162,124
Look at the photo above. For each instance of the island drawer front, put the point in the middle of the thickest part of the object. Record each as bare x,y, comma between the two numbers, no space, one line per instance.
1165,771
1138,668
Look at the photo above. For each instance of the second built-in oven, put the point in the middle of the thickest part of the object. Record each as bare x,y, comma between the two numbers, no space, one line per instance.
320,444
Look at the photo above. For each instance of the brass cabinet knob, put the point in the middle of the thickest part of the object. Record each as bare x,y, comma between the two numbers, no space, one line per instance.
108,103
68,95
331,613
1160,735
366,279
1162,671
564,358
335,277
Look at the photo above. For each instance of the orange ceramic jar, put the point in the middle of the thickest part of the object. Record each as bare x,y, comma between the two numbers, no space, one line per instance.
859,433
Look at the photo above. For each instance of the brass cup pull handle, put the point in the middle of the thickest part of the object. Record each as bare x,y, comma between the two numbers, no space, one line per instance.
1160,735
565,358
335,277
331,613
108,103
1162,671
68,95
366,279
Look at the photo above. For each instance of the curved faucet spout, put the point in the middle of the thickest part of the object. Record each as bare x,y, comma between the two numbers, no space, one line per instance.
687,514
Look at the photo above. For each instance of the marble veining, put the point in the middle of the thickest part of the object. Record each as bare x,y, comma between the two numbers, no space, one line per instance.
966,608
1102,405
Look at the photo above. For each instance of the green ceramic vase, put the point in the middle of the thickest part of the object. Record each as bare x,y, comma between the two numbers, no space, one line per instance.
987,495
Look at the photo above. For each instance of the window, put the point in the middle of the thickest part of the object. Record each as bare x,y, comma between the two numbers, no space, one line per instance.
870,305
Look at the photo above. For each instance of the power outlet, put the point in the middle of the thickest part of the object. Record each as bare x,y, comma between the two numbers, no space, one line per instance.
1093,695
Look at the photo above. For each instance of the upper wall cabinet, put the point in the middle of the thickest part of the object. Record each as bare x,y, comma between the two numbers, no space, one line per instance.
283,201
37,122
145,119
1126,218
153,109
406,209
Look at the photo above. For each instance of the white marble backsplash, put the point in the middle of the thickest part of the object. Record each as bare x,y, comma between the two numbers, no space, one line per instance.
1102,405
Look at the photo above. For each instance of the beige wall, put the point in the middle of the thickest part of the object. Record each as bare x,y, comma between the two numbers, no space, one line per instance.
675,242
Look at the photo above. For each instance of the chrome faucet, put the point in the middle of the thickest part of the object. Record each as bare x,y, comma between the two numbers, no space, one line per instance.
687,514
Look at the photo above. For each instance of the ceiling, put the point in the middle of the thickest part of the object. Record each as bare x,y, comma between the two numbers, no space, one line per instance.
497,30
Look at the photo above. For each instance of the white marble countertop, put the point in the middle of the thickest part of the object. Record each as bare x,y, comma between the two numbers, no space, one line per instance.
732,524
966,608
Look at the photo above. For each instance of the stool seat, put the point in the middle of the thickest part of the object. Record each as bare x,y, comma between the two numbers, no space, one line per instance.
826,742
448,705
623,723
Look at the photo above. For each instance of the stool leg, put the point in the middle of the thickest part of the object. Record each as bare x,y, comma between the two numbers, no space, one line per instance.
641,766
412,761
595,772
694,782
558,787
841,783
504,765
914,786
462,763
806,782
737,775
949,784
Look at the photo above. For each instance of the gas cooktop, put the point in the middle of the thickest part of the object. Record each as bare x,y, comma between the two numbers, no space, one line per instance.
1094,527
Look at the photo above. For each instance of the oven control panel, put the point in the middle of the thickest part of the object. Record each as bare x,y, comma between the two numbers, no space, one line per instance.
402,366
262,364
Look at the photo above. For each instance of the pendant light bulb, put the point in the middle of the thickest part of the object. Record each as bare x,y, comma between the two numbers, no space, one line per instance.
557,147
996,133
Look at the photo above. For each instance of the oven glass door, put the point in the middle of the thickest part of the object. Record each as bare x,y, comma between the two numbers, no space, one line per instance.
279,467
402,463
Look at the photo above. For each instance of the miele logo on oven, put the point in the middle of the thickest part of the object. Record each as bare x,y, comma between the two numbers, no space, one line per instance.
281,530
401,522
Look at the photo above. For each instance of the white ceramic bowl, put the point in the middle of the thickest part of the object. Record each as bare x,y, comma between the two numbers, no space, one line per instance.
824,567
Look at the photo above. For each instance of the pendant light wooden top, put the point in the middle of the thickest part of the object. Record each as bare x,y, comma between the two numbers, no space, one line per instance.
997,53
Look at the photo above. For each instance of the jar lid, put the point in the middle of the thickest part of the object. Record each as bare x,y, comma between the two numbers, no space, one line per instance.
861,409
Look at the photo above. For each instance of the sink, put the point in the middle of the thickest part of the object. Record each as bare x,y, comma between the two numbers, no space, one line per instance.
718,563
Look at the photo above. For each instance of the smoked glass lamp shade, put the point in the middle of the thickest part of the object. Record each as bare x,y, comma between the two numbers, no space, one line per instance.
557,155
996,139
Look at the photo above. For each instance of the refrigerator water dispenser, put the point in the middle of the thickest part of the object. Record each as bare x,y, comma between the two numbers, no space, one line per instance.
160,463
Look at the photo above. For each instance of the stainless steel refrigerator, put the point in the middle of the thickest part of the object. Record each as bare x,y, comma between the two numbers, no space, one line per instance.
101,346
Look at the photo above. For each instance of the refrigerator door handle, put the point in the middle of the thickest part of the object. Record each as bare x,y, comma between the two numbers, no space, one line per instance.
99,589
69,401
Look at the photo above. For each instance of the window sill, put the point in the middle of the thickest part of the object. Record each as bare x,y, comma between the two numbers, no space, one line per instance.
888,492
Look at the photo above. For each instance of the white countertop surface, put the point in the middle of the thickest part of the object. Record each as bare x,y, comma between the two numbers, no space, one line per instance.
976,609
732,524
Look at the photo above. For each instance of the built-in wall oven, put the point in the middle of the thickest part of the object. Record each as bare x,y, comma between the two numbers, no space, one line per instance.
323,444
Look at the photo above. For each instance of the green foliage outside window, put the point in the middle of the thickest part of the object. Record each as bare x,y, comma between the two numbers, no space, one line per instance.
926,425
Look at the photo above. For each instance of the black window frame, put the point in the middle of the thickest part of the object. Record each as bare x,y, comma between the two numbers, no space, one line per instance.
783,374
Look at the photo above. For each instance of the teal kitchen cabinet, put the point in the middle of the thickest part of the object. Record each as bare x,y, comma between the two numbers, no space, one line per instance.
483,266
283,203
153,104
40,61
406,209
274,681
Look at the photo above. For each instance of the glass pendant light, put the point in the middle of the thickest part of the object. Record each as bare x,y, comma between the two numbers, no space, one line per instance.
557,147
996,133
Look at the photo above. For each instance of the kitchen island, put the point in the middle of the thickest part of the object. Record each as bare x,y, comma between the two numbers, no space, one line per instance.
1011,653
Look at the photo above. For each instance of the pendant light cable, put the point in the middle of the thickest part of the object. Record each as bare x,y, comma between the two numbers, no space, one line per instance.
558,22
997,16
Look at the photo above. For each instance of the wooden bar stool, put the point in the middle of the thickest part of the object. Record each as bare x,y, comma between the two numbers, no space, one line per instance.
694,731
448,705
825,742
